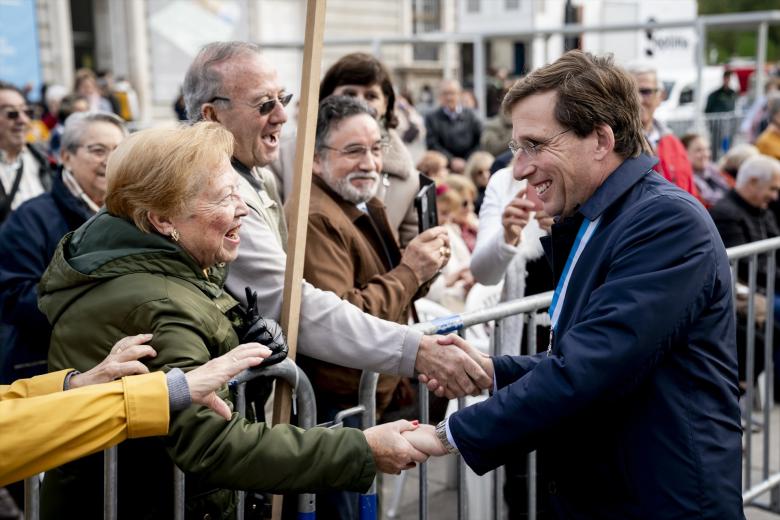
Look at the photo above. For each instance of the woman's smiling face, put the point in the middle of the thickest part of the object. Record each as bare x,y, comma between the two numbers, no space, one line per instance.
209,231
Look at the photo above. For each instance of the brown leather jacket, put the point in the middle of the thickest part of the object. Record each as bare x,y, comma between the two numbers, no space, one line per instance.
355,255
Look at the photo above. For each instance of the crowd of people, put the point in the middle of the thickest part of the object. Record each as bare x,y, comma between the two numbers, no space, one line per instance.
168,236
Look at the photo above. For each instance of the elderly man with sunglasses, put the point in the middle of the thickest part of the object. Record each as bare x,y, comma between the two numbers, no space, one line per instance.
24,171
673,161
231,83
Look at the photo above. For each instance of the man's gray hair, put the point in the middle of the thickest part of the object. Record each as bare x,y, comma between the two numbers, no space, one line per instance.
760,167
333,110
202,83
736,155
639,68
76,126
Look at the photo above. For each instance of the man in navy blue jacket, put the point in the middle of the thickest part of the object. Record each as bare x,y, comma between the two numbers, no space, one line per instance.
633,408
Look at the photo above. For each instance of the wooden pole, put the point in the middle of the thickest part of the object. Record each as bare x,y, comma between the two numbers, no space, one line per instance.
299,202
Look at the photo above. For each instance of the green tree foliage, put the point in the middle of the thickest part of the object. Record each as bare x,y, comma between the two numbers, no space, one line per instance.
731,43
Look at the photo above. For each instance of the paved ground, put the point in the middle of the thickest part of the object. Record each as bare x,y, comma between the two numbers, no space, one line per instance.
442,495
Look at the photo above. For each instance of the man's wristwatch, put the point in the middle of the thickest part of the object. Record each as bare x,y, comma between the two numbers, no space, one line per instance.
441,434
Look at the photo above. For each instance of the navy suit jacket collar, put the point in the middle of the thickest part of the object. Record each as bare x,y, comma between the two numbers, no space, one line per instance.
616,184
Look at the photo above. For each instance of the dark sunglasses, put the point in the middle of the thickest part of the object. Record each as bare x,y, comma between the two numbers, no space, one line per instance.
647,91
266,107
14,113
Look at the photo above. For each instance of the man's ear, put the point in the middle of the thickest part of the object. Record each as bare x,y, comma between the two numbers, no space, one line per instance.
209,113
316,164
162,224
605,141
65,157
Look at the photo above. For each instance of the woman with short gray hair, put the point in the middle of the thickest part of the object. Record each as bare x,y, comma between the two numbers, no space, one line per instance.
31,233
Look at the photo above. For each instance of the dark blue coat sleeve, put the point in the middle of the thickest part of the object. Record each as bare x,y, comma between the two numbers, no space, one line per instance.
26,246
507,369
660,271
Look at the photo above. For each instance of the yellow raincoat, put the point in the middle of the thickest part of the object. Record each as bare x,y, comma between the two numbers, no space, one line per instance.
42,427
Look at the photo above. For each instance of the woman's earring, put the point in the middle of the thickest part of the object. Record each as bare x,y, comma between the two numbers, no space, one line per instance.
175,235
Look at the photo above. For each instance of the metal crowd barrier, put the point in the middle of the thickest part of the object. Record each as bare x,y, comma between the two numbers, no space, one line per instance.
528,306
769,480
722,129
306,404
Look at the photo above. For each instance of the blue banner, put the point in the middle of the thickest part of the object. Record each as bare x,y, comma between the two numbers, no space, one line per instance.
19,60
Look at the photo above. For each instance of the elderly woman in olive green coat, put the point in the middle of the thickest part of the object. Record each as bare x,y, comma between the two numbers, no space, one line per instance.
154,261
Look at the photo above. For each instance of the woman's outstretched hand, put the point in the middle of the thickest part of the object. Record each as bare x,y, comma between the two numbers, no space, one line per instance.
392,451
425,440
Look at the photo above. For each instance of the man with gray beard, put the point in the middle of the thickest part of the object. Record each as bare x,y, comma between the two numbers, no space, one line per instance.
351,251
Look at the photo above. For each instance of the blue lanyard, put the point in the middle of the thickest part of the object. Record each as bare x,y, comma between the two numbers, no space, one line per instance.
587,228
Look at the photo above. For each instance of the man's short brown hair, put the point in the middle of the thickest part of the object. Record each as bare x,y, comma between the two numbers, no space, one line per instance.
591,90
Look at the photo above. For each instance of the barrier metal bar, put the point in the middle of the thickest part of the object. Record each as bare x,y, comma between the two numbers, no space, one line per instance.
307,418
179,494
463,506
531,339
755,492
423,504
367,399
769,325
496,349
750,367
733,20
455,322
760,246
32,506
241,409
110,478
307,410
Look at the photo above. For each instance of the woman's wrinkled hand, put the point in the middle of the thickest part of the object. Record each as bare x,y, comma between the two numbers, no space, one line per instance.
424,439
121,361
392,452
205,380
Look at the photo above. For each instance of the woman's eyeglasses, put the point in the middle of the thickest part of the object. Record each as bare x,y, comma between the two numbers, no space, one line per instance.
266,107
98,151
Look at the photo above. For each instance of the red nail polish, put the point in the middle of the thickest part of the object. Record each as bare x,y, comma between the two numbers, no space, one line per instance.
416,422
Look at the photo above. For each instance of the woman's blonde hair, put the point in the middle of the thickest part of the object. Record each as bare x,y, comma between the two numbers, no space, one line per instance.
463,186
449,201
163,169
431,162
477,162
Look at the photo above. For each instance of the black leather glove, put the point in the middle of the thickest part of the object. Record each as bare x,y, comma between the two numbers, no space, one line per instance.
262,330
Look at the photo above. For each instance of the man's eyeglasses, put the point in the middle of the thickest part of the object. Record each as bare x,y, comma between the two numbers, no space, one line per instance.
530,147
98,151
644,92
356,152
14,113
266,107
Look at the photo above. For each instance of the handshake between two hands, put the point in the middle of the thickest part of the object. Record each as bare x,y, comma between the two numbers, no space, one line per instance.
401,444
449,367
